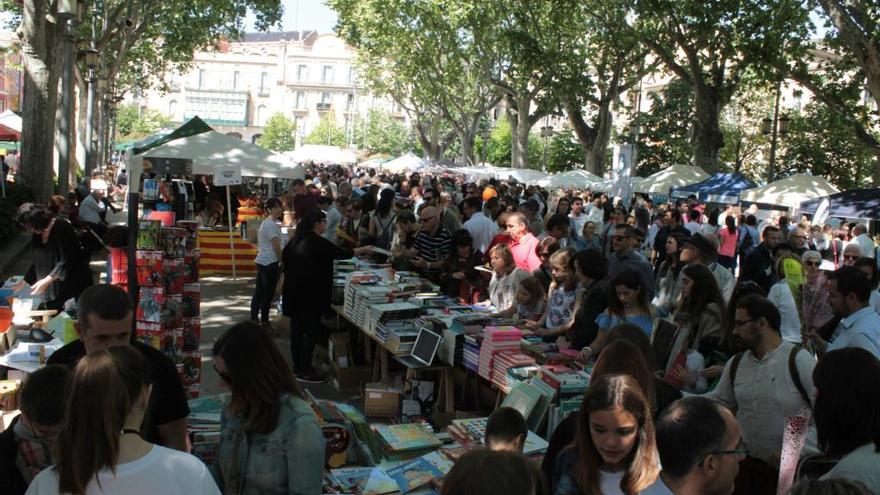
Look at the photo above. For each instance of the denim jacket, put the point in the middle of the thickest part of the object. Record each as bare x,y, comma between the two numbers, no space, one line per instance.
290,459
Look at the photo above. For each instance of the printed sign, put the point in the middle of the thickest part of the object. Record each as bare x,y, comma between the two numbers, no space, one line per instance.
227,176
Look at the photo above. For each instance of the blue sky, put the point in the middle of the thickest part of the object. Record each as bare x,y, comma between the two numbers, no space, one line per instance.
304,14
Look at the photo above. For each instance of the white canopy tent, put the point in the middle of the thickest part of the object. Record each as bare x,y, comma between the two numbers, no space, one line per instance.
674,176
319,153
790,191
570,179
10,119
408,162
211,150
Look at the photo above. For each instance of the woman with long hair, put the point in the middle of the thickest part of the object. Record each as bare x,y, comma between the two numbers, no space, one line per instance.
270,441
847,414
667,274
100,448
627,303
381,229
561,297
729,237
701,314
614,452
563,207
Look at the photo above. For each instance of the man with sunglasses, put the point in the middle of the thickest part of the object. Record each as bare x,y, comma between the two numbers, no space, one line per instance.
625,257
700,448
433,243
765,384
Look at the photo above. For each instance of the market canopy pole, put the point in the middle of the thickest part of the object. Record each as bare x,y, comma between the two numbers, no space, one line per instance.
229,176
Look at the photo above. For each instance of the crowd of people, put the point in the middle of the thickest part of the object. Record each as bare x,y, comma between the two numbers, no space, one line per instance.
706,330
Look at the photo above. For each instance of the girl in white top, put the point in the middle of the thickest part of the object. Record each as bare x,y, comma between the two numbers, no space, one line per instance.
100,450
268,262
505,279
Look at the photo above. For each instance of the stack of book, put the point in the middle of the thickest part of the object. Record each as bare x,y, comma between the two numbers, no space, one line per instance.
471,351
392,316
406,441
565,380
495,340
451,350
505,361
203,426
562,410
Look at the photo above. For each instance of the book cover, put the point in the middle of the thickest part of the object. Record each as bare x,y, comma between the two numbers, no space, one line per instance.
172,311
192,299
148,234
420,471
192,368
149,333
191,260
192,334
150,271
173,242
411,436
151,300
172,344
363,480
151,190
175,275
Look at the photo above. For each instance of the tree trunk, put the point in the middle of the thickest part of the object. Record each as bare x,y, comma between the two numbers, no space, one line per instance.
40,52
875,176
81,105
520,128
708,139
597,152
467,136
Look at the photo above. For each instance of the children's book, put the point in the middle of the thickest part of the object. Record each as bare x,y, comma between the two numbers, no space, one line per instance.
420,471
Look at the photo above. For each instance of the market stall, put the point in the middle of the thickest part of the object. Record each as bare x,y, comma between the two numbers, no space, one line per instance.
319,153
661,182
789,192
861,204
404,164
719,188
580,179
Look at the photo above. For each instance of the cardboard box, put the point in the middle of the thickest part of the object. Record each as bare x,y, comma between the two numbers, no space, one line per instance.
340,350
380,401
351,377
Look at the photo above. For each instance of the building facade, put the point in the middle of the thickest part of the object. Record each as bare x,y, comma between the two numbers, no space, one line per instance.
11,82
303,75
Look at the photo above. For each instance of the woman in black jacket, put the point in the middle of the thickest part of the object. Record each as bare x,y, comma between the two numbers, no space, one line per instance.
60,270
308,288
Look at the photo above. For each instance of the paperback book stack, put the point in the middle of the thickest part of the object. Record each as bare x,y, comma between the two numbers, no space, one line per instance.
495,340
406,441
360,298
203,426
565,380
391,316
505,361
471,351
168,314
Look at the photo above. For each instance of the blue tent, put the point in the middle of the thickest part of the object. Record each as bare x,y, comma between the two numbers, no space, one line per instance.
855,203
719,188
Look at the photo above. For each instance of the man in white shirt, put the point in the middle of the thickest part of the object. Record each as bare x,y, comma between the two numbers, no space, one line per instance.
700,447
849,293
693,225
764,385
578,218
92,210
864,241
481,228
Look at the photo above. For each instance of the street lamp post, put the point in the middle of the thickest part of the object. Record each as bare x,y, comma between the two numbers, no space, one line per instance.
91,63
485,134
546,133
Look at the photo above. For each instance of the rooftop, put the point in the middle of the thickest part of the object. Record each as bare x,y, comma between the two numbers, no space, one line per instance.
278,36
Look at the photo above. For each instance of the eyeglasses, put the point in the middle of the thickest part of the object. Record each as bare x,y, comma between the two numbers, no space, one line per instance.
743,322
223,376
851,257
811,263
741,451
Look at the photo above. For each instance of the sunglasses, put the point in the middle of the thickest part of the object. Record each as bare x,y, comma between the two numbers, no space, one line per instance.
811,263
850,257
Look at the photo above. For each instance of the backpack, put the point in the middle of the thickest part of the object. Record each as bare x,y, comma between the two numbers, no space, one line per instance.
792,370
385,233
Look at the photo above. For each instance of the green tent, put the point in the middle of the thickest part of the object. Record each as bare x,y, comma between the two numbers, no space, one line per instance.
9,145
192,127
